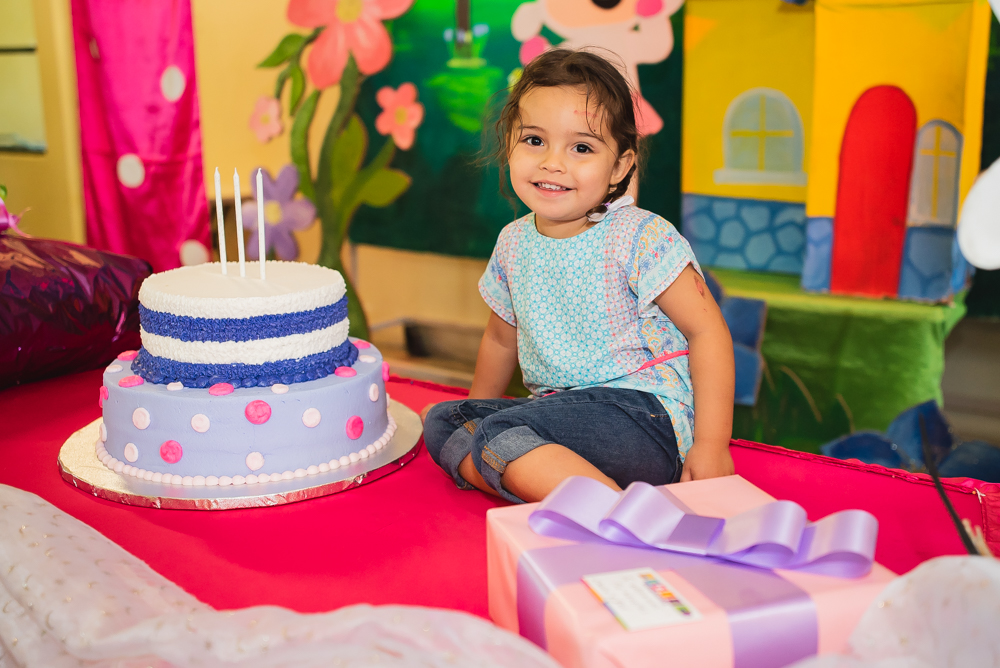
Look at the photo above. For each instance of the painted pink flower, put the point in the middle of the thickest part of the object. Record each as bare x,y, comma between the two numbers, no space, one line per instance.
352,27
401,114
265,121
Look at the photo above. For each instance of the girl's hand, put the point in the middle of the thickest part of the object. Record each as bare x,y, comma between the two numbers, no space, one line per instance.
702,463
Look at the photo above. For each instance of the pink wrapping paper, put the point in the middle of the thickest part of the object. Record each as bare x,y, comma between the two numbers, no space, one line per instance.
580,631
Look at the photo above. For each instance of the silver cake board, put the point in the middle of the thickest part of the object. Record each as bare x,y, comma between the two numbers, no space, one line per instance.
79,466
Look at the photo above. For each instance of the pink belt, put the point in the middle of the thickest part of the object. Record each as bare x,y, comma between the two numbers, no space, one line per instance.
662,358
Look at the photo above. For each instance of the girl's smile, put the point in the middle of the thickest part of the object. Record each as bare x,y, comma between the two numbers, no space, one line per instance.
561,165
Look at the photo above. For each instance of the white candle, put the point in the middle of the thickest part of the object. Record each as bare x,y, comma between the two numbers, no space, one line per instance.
220,221
260,221
239,223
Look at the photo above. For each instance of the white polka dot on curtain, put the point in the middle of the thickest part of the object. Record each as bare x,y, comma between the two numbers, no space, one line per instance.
193,252
172,83
131,171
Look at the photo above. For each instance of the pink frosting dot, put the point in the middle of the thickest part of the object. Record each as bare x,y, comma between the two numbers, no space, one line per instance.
355,425
220,389
385,372
130,381
345,371
171,452
128,355
258,412
103,397
361,345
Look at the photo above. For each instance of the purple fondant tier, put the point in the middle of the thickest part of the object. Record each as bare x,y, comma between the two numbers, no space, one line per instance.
222,431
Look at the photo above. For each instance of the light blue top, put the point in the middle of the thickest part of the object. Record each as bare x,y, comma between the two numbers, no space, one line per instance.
584,308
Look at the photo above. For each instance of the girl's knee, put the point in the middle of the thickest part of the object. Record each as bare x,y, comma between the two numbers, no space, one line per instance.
438,426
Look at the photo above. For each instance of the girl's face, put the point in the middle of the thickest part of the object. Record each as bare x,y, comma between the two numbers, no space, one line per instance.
560,166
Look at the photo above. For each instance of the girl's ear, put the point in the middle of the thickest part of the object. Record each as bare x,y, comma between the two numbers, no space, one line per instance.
622,167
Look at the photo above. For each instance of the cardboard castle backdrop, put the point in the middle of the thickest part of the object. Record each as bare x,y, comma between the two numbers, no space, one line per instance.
834,139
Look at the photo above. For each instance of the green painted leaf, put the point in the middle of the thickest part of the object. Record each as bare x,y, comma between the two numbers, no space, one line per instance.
279,85
384,187
287,47
348,152
300,143
298,86
3,191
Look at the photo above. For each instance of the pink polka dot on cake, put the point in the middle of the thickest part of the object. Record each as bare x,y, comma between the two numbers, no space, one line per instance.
258,412
220,389
361,345
103,397
131,381
385,372
171,452
345,372
355,425
128,355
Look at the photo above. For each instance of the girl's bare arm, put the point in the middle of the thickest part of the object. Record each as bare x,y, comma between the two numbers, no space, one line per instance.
496,361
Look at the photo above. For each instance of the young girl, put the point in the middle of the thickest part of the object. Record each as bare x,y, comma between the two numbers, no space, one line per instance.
601,302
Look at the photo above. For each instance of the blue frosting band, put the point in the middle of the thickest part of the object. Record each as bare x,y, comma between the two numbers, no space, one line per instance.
161,370
186,328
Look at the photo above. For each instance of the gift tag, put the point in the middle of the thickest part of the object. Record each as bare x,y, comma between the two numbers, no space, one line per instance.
640,598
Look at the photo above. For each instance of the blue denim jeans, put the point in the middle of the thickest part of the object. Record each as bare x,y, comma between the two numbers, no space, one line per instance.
626,434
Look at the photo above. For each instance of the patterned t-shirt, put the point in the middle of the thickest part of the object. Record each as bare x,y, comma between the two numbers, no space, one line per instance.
584,308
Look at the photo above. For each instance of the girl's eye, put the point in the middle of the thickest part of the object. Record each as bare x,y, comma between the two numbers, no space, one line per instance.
532,140
582,148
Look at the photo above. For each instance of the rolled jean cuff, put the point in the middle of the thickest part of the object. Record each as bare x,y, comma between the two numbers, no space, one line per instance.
501,450
455,449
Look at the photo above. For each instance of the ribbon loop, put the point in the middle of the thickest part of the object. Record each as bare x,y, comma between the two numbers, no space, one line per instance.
775,535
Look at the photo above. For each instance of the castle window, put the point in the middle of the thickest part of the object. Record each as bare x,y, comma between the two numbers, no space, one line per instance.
762,140
934,183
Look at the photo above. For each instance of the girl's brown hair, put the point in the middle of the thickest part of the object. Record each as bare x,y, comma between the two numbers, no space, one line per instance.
603,84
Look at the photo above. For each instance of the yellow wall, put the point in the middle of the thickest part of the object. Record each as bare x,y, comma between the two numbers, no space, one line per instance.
923,49
231,37
49,183
730,47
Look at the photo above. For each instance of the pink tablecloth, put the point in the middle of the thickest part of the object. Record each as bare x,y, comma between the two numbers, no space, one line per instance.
411,537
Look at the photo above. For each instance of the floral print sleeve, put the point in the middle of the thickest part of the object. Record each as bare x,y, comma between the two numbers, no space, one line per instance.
493,286
661,254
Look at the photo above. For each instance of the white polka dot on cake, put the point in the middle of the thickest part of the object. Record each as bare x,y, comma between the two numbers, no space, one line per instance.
114,368
279,388
311,417
140,418
173,387
104,433
373,392
255,461
368,359
131,452
200,423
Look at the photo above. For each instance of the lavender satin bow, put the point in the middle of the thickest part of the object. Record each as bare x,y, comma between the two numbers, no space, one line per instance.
776,535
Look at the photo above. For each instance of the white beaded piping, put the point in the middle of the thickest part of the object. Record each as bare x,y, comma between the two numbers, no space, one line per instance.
124,468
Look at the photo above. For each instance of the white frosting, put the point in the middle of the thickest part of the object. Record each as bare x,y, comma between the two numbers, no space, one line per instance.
202,291
131,452
279,388
140,418
292,347
311,417
200,423
373,392
173,387
368,359
255,460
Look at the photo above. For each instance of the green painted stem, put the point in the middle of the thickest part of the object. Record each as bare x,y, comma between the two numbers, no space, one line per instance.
334,232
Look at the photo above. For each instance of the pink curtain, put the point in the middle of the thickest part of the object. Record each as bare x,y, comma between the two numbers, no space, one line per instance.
140,130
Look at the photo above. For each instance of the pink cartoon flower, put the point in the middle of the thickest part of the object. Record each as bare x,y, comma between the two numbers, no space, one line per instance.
352,27
265,121
401,114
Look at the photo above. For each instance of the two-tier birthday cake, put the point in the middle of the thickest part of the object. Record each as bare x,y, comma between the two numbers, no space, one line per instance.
242,381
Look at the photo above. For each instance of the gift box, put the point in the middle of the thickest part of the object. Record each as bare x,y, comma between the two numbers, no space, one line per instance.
743,615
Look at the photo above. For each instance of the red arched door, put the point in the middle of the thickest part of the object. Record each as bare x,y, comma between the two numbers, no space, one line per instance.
869,226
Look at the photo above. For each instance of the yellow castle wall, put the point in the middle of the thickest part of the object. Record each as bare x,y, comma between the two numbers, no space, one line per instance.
731,46
935,52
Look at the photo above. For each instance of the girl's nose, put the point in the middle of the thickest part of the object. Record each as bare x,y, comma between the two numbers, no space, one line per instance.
552,162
